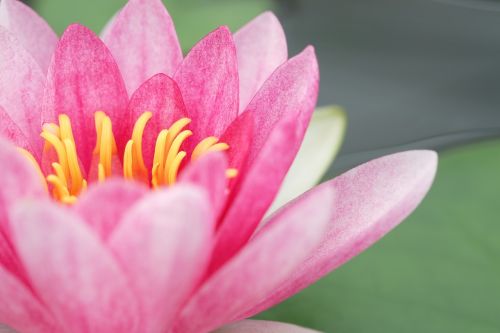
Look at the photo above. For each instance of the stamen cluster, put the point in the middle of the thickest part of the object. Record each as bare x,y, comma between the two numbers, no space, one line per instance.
66,179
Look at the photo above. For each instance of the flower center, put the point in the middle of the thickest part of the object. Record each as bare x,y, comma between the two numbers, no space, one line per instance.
66,181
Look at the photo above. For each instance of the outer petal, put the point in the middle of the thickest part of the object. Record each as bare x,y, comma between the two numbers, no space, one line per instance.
371,200
164,244
21,86
258,267
208,79
74,275
84,78
161,96
261,326
290,92
20,309
103,206
261,48
19,180
143,41
321,144
209,172
31,30
281,111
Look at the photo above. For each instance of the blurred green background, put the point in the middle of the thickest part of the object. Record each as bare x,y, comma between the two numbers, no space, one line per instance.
440,270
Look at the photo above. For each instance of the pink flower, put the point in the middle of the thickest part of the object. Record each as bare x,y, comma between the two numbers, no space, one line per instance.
85,249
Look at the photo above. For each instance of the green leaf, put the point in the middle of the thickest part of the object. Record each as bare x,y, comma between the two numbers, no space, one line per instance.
437,272
193,18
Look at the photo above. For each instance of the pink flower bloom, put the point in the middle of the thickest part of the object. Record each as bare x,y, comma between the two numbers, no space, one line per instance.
85,249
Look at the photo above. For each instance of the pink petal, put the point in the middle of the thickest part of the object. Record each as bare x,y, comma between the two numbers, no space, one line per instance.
261,48
11,131
258,268
239,136
32,31
255,193
164,243
21,86
208,79
281,111
291,91
161,96
209,172
143,41
72,272
19,180
20,309
103,205
371,200
84,78
261,326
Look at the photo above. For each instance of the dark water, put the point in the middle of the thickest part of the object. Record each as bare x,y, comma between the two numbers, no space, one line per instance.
411,74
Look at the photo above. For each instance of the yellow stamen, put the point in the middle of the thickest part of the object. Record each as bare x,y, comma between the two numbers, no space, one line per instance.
231,173
159,157
174,167
60,173
128,171
137,135
174,149
203,146
73,166
33,161
174,131
56,143
66,132
50,128
59,188
101,174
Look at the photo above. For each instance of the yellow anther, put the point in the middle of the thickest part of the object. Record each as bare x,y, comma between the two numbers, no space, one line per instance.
33,161
231,173
66,132
174,167
56,143
60,173
219,147
154,175
73,166
106,145
50,128
203,146
101,175
159,156
174,131
71,199
98,118
174,149
128,171
59,188
137,135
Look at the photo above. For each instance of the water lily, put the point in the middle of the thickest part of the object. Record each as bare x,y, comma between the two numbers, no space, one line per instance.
135,180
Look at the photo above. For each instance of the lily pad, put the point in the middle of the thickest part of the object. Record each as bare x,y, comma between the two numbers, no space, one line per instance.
193,18
437,272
